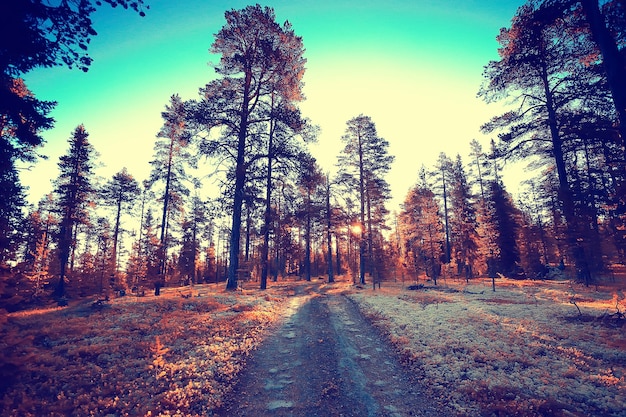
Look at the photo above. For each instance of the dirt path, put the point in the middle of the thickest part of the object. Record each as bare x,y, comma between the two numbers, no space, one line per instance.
326,360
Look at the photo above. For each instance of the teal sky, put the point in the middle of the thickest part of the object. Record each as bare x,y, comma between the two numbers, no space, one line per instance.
413,66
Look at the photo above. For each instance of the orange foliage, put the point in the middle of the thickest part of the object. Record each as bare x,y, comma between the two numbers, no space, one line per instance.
135,356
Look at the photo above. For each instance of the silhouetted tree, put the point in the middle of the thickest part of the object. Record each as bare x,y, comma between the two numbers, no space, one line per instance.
75,190
329,224
310,183
22,118
541,66
506,217
362,166
260,61
122,190
168,168
190,250
442,175
35,34
285,127
463,222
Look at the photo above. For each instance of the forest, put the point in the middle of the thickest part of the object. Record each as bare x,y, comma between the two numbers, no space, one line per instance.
276,216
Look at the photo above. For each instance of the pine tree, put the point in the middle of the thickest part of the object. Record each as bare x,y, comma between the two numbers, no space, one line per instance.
34,34
543,67
168,167
463,224
75,190
120,192
310,183
442,177
506,218
261,61
362,167
421,230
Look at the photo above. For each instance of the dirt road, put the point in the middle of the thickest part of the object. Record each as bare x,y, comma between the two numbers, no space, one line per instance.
326,360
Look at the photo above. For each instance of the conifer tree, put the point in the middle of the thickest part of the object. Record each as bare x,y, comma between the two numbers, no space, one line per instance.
542,66
261,61
362,167
422,230
171,153
463,223
75,190
120,192
442,174
310,183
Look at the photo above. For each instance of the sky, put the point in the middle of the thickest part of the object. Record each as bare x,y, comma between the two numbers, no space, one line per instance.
413,66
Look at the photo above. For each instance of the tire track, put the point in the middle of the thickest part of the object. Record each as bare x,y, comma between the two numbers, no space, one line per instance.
326,360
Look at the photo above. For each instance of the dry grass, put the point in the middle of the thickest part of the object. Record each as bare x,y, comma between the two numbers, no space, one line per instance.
519,351
152,356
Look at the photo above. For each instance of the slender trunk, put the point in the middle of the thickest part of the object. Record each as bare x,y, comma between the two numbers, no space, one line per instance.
116,230
240,182
337,255
166,199
194,233
307,239
65,242
265,259
370,242
594,245
331,277
64,254
445,216
433,268
246,252
565,192
362,213
278,258
73,247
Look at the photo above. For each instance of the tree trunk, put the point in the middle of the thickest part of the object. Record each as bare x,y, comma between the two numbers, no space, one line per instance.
265,259
445,216
116,230
362,201
307,239
370,241
240,182
612,60
565,192
331,277
166,199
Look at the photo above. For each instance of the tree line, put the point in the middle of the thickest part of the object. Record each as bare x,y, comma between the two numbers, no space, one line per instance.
276,212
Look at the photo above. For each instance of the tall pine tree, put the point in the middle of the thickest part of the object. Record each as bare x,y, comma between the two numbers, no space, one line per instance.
75,190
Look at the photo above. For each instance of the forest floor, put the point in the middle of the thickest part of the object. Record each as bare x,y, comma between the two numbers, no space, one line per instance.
531,348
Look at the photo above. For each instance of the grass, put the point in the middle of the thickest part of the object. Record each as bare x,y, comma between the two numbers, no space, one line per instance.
152,356
524,350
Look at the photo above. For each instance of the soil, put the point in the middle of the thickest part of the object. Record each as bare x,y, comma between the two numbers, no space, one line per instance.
327,360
